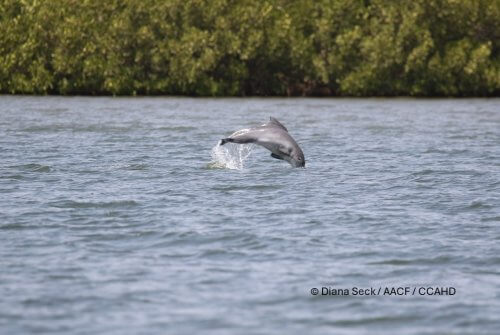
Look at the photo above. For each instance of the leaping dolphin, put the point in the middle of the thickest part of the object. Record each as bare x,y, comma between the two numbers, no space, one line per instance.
274,137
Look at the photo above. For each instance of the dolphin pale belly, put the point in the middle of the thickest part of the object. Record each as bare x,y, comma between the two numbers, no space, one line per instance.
274,137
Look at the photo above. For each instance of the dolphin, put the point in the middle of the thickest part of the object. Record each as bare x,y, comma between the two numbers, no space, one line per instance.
274,137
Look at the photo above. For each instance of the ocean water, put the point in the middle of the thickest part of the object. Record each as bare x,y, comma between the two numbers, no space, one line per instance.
122,216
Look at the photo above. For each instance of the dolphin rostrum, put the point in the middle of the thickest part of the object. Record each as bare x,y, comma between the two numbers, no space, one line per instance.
274,137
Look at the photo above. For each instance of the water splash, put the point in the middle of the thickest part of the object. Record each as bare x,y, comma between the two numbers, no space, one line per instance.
230,156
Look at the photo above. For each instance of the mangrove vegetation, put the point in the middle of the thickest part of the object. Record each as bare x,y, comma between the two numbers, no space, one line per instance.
251,47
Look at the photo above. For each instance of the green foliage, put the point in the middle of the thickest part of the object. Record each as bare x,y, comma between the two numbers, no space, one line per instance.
243,47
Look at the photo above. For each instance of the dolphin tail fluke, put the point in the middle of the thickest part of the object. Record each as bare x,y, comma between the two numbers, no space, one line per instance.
225,140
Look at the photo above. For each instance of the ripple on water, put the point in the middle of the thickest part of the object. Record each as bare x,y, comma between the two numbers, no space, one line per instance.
491,218
247,187
84,204
13,177
415,261
33,167
135,167
426,172
177,129
20,226
433,150
431,175
380,320
77,128
479,204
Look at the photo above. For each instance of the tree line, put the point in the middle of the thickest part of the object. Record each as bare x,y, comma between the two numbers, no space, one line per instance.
251,47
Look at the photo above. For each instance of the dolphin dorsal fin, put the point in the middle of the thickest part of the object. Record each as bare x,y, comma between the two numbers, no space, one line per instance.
277,123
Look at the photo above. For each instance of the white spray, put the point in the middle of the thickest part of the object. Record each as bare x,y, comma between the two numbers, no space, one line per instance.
230,156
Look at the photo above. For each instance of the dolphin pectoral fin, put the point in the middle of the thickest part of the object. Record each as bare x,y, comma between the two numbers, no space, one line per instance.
284,151
273,155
